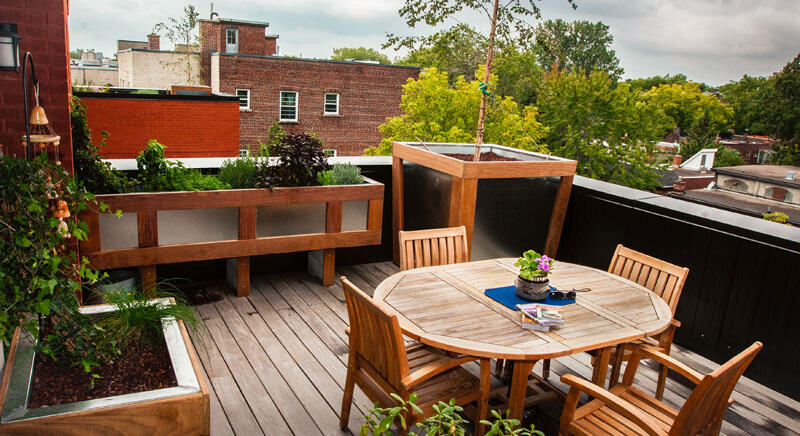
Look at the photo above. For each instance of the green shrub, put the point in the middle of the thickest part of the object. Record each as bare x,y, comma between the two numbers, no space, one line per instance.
346,174
300,158
97,176
238,173
156,173
325,178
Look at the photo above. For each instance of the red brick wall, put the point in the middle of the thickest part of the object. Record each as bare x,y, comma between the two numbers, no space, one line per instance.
368,94
189,128
43,27
252,40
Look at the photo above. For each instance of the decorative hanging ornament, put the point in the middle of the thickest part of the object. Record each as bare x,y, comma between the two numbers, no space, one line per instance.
41,133
61,212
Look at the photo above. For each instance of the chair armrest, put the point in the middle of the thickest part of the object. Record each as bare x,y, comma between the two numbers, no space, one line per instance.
432,369
619,405
650,352
675,322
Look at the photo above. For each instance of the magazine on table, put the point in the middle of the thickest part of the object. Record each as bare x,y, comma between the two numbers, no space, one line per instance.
540,317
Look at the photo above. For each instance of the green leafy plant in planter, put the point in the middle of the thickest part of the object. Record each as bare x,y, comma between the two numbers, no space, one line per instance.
156,173
239,173
532,282
300,158
39,276
341,174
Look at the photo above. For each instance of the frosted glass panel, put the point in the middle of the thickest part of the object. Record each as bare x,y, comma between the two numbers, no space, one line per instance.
197,225
116,233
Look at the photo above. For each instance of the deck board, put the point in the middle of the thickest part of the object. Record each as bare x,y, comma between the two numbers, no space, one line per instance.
276,363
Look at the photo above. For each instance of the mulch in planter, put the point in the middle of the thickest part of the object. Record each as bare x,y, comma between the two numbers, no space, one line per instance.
485,157
144,368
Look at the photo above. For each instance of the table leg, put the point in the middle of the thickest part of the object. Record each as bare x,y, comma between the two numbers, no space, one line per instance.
519,387
601,366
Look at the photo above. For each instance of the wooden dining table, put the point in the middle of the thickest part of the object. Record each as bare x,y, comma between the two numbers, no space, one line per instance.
446,307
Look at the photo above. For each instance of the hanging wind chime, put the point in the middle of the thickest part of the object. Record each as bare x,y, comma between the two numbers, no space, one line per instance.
41,134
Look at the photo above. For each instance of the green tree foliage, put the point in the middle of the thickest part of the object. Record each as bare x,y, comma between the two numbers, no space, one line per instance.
750,98
581,45
182,32
701,135
433,110
727,157
458,51
786,154
609,130
786,104
686,103
519,74
359,54
646,83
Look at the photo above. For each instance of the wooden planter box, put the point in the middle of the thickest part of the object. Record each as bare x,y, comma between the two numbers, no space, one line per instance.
181,410
171,227
465,176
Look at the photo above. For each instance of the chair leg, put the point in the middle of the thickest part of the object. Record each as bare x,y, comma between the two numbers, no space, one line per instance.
546,369
483,401
347,398
616,365
662,381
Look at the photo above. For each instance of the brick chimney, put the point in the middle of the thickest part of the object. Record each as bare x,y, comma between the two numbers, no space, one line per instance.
677,159
153,42
680,185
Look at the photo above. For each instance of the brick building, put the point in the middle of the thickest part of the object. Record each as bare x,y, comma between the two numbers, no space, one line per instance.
44,29
344,102
145,65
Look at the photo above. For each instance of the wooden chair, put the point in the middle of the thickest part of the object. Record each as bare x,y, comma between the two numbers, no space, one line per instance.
381,362
626,410
665,280
432,247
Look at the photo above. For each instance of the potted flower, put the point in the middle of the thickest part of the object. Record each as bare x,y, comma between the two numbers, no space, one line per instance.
532,282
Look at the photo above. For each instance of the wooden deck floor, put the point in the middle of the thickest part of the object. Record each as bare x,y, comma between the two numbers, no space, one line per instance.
276,362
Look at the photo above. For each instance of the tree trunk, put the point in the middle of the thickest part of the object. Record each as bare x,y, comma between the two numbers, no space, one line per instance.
487,71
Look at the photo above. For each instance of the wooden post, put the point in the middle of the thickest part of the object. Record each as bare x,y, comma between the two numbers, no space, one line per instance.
247,230
463,196
333,224
557,216
147,225
397,206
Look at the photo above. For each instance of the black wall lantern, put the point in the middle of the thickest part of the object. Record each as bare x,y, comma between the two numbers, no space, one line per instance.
9,47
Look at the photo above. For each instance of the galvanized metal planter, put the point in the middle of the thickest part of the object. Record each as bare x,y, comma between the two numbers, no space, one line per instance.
183,409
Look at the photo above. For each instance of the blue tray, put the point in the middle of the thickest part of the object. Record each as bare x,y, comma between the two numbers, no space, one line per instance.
507,296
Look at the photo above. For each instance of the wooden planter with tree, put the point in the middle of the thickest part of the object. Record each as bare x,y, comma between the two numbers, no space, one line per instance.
465,176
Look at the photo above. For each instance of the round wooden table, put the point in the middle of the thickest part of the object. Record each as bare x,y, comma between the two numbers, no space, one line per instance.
445,307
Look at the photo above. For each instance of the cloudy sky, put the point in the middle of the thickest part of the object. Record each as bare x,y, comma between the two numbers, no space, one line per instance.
713,41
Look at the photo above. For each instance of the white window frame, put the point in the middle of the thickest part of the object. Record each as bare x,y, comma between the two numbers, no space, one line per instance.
235,31
247,106
331,152
281,106
325,105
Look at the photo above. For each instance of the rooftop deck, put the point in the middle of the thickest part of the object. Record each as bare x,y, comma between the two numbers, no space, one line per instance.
277,360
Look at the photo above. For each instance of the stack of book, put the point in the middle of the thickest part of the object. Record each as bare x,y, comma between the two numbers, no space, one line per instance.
540,317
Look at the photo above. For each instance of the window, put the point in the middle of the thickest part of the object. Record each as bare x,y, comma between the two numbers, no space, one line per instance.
331,152
244,151
244,99
288,106
331,104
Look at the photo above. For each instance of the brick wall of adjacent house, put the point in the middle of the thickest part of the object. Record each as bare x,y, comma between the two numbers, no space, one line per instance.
188,126
252,40
368,94
43,27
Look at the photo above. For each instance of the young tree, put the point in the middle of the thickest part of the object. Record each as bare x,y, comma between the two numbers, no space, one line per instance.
436,111
507,23
609,130
359,54
182,32
581,45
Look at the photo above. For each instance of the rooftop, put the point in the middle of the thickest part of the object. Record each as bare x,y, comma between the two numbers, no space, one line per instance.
766,173
741,203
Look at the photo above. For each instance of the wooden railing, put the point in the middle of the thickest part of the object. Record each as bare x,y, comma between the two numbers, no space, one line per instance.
149,253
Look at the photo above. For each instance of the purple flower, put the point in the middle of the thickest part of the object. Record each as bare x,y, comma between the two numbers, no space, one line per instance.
544,266
544,258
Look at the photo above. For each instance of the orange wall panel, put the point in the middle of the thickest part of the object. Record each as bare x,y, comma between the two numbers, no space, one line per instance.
189,128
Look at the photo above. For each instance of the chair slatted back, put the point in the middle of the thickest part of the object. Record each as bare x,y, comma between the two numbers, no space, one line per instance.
376,339
664,279
433,247
704,409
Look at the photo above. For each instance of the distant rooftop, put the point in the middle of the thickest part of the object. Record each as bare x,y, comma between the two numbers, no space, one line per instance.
735,202
233,21
767,173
